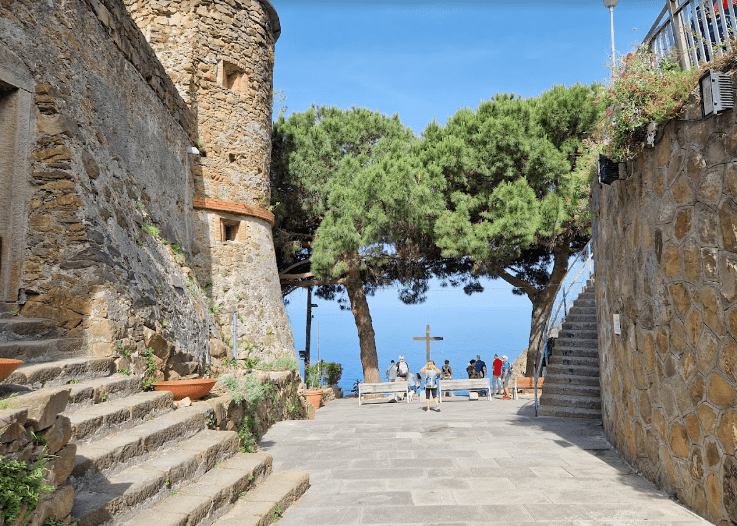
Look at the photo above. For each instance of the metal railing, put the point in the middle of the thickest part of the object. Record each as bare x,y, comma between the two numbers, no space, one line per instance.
693,32
579,271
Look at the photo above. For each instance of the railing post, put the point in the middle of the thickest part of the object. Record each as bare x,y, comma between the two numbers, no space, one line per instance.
679,37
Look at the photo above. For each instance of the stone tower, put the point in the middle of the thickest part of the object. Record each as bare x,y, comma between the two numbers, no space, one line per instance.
220,56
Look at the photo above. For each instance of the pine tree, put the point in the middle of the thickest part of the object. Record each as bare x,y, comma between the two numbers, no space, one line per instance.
516,190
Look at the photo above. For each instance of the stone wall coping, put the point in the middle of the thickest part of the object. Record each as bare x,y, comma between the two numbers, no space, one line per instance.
220,205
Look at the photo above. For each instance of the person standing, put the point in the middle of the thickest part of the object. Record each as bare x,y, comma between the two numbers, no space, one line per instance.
446,373
506,373
480,367
391,372
432,373
496,372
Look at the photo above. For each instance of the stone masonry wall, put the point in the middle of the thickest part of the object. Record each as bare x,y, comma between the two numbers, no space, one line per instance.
109,181
666,262
220,55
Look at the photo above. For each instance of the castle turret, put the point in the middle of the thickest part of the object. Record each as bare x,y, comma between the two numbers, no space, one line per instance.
220,55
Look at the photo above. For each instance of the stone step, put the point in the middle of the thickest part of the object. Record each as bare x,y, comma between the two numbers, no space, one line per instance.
587,333
31,351
103,419
557,359
119,451
569,325
259,507
576,343
60,372
570,400
584,302
577,318
552,387
573,370
564,380
563,350
8,310
89,392
117,497
569,412
210,496
16,328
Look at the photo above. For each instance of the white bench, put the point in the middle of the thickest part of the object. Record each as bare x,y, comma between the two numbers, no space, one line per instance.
467,384
383,387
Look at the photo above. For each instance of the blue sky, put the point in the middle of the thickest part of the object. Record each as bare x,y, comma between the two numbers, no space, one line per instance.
424,60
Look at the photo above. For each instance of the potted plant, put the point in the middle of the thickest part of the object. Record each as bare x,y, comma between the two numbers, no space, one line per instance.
312,379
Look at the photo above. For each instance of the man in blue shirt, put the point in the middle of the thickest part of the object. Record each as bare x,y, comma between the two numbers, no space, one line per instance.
480,367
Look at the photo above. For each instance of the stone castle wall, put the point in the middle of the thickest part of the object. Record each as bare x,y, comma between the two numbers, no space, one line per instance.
109,238
665,252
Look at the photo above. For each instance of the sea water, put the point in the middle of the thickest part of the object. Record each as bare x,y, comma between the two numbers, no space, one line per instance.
491,322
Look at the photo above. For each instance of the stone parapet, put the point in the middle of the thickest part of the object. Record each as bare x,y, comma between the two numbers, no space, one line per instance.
666,264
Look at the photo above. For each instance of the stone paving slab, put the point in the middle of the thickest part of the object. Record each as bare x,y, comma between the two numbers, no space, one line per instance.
473,463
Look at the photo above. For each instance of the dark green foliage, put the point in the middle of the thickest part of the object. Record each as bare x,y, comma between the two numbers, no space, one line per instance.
516,187
20,484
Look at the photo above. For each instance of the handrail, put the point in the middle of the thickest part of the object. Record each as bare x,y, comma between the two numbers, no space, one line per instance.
694,31
565,297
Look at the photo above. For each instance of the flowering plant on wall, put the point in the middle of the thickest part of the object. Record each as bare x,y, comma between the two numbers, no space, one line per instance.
643,89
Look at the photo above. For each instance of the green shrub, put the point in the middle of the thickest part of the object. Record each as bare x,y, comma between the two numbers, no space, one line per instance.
20,485
286,363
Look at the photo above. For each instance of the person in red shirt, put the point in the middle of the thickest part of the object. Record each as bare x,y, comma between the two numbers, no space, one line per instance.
496,371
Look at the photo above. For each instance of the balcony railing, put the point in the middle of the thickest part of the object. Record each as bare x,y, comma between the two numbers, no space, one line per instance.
692,32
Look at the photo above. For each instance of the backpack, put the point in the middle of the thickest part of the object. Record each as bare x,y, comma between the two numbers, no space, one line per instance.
403,369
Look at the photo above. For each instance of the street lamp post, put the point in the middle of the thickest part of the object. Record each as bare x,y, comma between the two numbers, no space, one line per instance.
611,4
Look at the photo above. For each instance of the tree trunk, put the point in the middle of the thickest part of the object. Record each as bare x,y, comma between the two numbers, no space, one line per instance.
542,301
362,316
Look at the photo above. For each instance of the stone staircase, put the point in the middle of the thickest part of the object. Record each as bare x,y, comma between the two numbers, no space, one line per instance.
571,387
140,459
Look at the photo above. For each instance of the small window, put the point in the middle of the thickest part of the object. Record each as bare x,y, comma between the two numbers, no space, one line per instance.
229,230
233,77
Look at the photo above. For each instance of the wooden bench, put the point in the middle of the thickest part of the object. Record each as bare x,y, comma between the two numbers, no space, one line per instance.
525,382
383,387
467,384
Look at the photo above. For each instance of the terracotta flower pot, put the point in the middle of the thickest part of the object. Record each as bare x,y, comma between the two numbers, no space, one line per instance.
314,396
7,366
194,389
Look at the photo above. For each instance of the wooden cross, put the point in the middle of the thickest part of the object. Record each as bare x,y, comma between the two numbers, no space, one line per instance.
427,338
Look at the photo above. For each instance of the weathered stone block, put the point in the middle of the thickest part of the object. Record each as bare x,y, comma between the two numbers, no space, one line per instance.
728,359
44,406
708,418
682,191
58,435
727,431
728,276
671,260
693,327
729,487
721,393
692,261
697,389
728,225
713,495
706,351
711,185
683,223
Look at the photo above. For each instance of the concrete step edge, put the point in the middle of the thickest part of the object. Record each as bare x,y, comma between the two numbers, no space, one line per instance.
104,389
42,350
102,419
269,500
37,375
118,452
116,498
210,496
562,412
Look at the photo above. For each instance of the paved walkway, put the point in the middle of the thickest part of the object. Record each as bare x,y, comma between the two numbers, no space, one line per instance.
475,462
